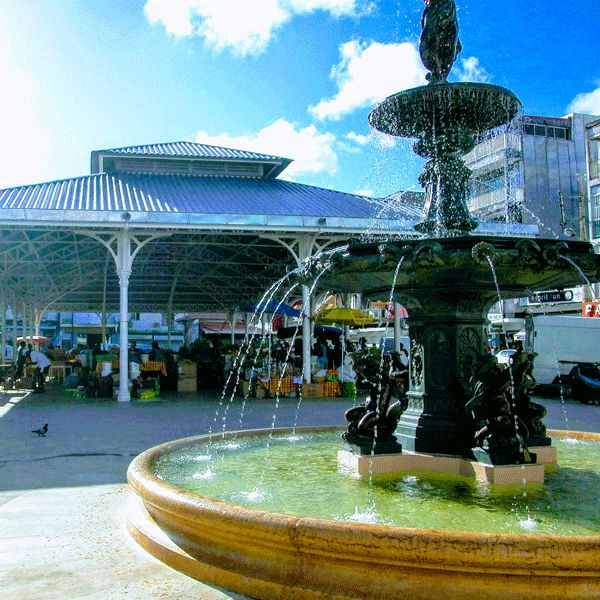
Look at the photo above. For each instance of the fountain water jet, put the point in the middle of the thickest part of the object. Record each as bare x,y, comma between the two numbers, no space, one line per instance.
446,283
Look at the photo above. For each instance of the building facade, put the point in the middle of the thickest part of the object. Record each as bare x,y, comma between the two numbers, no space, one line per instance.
542,171
536,171
593,152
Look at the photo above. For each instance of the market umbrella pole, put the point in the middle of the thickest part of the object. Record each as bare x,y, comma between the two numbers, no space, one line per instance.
267,336
341,374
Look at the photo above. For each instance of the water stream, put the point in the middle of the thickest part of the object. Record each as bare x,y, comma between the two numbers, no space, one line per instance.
583,275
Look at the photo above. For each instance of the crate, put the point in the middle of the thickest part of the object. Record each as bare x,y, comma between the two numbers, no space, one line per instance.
283,385
349,389
331,389
312,390
25,383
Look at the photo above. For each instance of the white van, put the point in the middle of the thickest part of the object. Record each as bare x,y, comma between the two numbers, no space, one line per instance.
560,341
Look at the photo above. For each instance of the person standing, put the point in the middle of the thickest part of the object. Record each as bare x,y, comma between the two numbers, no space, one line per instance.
134,355
21,356
43,364
157,354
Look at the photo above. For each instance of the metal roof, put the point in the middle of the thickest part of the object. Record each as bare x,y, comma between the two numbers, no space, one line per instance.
179,193
191,149
193,202
274,165
215,242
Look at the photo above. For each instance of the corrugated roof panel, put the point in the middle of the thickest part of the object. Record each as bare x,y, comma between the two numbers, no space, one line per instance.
191,149
188,194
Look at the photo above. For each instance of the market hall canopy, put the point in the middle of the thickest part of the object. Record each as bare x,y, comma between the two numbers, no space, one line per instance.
209,228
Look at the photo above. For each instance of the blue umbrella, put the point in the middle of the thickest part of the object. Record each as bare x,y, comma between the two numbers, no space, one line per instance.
272,307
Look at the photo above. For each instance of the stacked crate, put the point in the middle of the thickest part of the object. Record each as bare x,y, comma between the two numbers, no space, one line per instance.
312,390
188,370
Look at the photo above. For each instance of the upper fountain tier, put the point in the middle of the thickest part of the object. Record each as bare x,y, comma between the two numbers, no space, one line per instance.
449,115
446,119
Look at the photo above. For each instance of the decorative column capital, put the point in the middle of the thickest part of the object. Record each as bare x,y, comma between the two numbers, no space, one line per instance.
124,274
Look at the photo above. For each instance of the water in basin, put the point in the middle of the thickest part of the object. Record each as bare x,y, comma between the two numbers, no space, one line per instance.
299,476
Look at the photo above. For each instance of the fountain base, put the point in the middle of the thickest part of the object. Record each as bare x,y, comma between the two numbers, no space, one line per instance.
545,455
408,462
291,556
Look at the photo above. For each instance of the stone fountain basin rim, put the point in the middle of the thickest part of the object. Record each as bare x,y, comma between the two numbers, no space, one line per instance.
409,129
571,555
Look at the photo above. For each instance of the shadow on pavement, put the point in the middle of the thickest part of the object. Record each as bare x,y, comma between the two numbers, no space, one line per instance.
92,442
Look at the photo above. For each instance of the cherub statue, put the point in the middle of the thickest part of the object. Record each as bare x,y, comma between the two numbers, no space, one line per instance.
530,412
371,426
439,45
499,435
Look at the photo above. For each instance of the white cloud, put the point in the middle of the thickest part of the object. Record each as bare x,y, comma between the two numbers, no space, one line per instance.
471,70
357,138
313,152
242,26
353,142
365,192
368,73
588,104
25,147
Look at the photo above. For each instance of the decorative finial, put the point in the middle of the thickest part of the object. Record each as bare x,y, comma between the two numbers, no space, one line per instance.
439,45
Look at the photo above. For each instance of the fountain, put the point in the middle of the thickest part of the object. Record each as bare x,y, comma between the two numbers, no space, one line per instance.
461,408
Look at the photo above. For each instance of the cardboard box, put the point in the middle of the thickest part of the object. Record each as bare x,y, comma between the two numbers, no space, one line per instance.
245,389
188,369
187,385
312,390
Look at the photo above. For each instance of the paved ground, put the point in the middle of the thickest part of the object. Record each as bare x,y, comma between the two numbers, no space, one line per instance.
63,496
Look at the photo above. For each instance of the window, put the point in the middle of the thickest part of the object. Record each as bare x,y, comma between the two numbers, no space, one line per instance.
596,212
561,133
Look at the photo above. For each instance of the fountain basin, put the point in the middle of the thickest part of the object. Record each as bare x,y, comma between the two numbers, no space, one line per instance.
431,109
459,265
273,555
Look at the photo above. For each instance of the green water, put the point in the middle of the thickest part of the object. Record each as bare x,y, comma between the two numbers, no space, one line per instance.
299,476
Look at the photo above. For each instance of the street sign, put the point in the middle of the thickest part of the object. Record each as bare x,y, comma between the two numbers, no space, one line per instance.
552,296
590,309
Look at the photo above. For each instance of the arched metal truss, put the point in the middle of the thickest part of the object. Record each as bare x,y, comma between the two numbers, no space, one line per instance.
59,269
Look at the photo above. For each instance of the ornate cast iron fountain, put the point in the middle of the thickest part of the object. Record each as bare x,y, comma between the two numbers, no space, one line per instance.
457,397
446,279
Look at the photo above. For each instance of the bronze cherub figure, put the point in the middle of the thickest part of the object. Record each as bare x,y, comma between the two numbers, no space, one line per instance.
439,45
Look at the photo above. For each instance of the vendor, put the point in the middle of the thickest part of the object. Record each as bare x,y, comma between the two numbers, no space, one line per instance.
134,355
42,362
156,354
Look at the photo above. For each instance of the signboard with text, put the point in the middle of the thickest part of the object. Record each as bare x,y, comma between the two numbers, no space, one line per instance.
590,309
552,296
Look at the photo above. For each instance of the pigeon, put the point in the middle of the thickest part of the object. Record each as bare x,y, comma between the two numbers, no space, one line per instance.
41,432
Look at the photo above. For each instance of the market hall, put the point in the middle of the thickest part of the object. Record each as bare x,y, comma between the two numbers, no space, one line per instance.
172,228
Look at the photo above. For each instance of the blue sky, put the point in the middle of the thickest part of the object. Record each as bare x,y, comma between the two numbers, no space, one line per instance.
295,78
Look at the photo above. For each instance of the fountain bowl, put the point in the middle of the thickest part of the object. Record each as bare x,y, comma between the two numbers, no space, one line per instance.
271,555
431,109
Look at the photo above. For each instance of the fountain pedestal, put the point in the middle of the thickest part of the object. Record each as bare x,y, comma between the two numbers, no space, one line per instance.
444,349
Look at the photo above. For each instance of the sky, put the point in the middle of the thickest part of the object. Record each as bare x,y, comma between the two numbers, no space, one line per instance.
294,78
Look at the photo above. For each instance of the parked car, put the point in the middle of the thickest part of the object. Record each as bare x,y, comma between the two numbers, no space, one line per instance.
504,357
